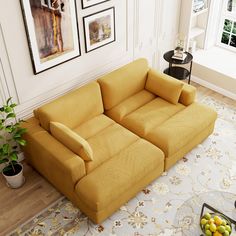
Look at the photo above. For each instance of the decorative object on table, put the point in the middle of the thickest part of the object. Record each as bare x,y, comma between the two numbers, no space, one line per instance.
199,5
192,46
11,135
99,29
180,48
178,72
215,222
52,32
90,3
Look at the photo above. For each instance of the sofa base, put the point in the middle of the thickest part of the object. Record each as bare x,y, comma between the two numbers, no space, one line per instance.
171,160
100,216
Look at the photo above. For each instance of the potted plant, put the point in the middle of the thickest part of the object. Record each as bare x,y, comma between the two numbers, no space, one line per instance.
10,140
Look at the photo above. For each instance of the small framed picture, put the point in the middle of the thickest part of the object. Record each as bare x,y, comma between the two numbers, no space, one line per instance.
90,3
52,32
99,29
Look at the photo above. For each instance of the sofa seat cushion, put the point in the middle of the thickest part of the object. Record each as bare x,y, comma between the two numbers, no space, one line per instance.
182,128
116,176
93,126
151,115
129,105
107,143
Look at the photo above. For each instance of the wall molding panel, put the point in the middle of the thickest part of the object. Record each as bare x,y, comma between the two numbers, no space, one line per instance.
8,88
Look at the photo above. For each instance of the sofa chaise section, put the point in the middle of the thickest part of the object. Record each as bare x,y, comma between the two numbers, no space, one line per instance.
161,109
122,163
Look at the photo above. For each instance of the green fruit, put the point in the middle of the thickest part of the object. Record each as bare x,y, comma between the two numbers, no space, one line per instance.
212,227
207,226
203,221
221,229
228,228
223,222
207,216
226,233
208,232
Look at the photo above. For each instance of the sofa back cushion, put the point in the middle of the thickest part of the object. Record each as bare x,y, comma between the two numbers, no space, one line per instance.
73,108
123,83
71,140
164,86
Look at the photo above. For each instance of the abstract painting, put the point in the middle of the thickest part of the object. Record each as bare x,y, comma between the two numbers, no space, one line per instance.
52,32
99,29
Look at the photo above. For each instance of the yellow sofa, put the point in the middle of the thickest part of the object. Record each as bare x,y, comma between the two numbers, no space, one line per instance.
100,159
158,108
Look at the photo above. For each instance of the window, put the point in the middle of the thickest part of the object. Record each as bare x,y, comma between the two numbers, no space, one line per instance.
228,28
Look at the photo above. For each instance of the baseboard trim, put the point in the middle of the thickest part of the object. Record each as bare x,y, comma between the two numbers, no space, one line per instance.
214,87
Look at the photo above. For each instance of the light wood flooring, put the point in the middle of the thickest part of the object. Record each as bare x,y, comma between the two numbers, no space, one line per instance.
19,205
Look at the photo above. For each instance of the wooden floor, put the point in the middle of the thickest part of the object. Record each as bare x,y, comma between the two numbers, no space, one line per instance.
19,205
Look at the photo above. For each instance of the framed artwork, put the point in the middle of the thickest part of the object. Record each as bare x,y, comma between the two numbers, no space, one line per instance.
99,29
90,3
52,32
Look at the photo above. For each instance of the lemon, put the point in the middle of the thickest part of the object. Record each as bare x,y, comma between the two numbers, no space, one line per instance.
223,222
207,216
203,221
212,227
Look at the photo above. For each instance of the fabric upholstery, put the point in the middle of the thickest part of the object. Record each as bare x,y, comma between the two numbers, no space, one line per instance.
99,216
73,108
108,143
123,83
72,140
129,105
162,111
149,116
164,86
93,126
52,159
180,129
187,95
117,175
171,160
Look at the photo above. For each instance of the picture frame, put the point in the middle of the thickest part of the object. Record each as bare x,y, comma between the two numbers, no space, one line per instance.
52,32
99,29
90,3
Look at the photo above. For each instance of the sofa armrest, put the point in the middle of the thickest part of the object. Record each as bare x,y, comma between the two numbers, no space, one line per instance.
52,159
187,95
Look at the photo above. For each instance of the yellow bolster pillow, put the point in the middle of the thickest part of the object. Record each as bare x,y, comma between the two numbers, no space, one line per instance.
72,140
164,86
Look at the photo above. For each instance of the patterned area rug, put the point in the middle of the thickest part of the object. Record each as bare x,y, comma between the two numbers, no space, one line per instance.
210,166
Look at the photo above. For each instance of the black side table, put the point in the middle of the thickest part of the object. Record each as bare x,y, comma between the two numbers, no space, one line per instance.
177,71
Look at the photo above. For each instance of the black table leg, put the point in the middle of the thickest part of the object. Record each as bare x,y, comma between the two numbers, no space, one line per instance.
191,64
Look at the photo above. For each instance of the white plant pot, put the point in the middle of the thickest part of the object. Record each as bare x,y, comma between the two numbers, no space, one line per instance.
15,181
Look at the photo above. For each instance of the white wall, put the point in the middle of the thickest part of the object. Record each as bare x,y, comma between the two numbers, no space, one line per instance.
144,28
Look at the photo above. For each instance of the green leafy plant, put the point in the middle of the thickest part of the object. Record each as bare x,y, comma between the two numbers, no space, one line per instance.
10,136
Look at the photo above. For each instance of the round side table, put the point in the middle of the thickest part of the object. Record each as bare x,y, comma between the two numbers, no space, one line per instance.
178,72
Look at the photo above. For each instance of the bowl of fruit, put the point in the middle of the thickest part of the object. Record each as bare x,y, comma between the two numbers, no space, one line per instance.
214,224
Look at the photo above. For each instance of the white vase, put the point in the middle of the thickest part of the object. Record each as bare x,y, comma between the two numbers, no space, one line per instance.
15,181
